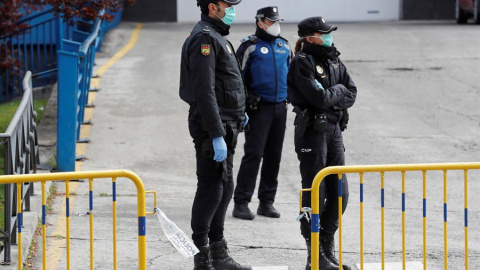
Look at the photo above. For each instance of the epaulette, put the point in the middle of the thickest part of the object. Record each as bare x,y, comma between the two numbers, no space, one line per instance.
301,55
249,38
283,38
206,30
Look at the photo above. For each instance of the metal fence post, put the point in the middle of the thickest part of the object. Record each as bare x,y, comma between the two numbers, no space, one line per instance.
67,110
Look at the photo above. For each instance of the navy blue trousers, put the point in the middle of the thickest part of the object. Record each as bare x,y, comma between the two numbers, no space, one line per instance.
315,151
213,192
264,140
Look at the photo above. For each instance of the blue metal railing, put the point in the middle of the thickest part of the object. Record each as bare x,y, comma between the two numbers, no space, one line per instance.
34,49
75,66
21,157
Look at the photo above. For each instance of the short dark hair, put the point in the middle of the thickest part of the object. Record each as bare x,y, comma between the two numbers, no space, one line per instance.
204,5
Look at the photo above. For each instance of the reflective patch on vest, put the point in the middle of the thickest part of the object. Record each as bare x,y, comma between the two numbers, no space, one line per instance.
229,49
205,49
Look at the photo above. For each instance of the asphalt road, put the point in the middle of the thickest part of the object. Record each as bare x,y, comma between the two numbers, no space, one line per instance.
418,102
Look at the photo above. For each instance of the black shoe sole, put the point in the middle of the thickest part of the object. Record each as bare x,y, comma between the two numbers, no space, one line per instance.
260,213
235,215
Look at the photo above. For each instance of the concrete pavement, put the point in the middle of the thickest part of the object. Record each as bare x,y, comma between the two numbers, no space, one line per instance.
418,99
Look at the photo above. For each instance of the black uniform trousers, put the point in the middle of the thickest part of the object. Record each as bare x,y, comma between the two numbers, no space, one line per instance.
317,150
264,140
213,193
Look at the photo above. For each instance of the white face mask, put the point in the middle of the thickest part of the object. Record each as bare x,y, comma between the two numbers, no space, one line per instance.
273,29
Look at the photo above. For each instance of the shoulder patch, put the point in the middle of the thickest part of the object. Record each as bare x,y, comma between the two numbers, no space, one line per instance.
249,38
205,49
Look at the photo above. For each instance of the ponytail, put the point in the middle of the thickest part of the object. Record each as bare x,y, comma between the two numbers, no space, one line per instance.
299,44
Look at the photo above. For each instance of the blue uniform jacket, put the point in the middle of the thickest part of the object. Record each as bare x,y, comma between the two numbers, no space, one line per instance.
265,67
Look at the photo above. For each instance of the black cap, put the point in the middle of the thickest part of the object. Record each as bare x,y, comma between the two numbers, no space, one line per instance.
270,13
314,24
206,2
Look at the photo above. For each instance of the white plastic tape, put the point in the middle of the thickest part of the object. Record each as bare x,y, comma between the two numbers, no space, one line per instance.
177,237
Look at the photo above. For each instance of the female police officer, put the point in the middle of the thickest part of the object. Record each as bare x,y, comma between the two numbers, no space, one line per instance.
321,90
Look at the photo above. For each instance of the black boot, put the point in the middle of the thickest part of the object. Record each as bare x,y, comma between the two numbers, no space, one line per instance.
267,209
242,211
202,260
221,259
323,262
328,244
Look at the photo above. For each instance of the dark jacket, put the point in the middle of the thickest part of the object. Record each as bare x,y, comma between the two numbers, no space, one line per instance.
339,90
265,64
210,77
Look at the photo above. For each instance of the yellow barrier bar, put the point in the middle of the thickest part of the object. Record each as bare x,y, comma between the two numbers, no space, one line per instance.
315,219
340,214
67,176
466,219
361,221
114,203
44,228
383,218
376,168
403,223
445,253
19,225
154,201
67,219
90,211
424,220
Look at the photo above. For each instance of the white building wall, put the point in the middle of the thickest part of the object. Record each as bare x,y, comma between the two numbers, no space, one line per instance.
296,10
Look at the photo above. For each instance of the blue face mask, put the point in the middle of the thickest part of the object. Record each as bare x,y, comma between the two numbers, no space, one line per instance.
327,40
230,14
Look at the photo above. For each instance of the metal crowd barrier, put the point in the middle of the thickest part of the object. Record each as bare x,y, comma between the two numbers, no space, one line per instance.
113,175
382,169
34,49
75,65
21,157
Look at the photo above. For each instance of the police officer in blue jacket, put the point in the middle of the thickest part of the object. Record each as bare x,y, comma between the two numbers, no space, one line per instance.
264,59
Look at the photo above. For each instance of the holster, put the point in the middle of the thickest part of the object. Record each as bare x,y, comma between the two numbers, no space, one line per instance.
253,103
232,129
344,121
320,121
302,120
208,152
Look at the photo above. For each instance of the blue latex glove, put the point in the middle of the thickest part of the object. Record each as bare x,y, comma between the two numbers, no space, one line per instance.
319,85
245,122
220,149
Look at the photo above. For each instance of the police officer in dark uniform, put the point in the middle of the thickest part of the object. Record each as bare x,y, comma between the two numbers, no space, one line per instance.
211,83
265,58
321,90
